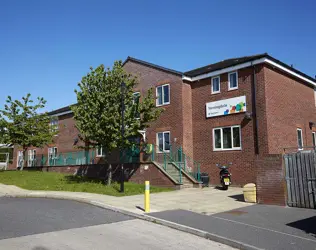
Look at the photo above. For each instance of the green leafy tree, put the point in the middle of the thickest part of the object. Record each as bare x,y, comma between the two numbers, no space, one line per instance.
98,109
21,124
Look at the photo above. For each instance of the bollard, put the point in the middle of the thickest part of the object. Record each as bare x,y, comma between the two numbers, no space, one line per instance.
147,199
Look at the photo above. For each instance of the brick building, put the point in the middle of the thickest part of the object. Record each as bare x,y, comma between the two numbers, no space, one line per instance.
238,110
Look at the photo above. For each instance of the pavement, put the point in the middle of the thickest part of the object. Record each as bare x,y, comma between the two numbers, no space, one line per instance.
257,227
207,200
50,224
213,214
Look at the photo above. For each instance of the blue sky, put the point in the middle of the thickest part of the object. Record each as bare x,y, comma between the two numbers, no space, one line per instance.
47,46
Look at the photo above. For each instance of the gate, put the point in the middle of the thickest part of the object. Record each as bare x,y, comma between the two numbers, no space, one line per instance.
300,175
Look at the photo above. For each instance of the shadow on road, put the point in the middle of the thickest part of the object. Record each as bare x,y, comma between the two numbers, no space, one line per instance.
238,197
307,225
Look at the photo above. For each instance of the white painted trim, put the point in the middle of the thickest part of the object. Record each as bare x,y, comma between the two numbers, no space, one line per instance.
230,73
219,81
245,65
227,149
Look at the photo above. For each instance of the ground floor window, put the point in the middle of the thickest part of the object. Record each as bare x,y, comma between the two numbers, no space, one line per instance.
19,162
227,138
163,141
52,156
100,152
314,138
300,138
31,158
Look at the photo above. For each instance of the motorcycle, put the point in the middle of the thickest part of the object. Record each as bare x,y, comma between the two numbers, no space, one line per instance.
224,175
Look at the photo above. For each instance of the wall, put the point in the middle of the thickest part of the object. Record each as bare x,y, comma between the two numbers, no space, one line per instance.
290,105
133,172
243,169
172,117
270,180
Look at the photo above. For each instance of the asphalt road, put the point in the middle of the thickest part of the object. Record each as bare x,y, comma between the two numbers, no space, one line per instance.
265,227
49,224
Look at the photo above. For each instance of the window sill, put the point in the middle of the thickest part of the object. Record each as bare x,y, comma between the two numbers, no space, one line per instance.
227,149
232,89
160,105
215,93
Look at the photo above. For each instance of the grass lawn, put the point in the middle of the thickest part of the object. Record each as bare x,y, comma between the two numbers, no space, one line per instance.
36,180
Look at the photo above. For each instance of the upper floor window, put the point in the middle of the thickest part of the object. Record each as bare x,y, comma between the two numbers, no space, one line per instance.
53,125
163,141
300,138
216,85
136,96
227,138
232,80
163,95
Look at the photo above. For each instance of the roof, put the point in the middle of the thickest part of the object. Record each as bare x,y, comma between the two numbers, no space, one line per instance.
223,64
236,61
175,72
60,111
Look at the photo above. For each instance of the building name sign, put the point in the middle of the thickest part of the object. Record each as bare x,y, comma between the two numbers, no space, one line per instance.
226,107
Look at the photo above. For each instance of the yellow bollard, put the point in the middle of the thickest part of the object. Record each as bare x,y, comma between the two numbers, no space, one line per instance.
147,199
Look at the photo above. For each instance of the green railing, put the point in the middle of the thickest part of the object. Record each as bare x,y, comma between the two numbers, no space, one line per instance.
189,165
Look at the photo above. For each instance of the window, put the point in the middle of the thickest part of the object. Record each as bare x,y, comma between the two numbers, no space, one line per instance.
163,141
216,82
299,138
20,161
31,159
314,138
227,138
53,125
232,80
136,97
163,95
52,156
100,152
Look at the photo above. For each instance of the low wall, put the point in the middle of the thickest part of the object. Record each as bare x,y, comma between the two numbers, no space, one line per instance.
134,172
270,180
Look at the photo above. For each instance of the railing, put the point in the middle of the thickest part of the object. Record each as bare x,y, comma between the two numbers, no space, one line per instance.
188,164
60,159
164,158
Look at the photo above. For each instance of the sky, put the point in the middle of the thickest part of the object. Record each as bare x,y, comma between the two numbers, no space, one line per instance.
46,47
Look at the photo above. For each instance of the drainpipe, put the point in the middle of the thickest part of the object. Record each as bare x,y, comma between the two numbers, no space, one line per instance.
254,111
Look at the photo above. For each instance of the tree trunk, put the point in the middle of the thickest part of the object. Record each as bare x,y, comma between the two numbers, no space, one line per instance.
109,175
23,162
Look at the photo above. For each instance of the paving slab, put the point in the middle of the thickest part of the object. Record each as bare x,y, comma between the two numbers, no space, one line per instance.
264,227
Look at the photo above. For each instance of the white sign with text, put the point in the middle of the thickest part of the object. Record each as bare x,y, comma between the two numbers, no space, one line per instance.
226,107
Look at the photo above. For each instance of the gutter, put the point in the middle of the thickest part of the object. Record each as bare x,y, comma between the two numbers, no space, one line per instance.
254,110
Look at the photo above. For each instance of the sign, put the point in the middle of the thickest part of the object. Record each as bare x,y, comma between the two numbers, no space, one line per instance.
226,107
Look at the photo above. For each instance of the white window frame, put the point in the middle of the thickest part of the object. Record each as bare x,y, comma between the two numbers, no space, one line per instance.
222,143
31,157
20,159
314,139
102,153
53,124
53,154
162,92
135,93
163,141
301,131
219,84
230,73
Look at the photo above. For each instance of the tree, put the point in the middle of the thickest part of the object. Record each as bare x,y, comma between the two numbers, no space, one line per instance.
98,109
22,125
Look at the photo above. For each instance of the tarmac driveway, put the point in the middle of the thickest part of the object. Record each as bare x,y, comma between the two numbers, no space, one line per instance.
264,227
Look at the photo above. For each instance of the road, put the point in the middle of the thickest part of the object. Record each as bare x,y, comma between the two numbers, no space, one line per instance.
49,224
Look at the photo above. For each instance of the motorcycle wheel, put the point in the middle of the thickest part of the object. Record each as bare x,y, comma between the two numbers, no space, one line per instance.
225,187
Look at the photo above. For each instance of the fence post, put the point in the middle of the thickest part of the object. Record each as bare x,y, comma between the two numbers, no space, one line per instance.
153,153
165,161
180,173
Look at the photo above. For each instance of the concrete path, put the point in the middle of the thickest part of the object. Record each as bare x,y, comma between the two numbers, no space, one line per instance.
206,200
259,226
49,224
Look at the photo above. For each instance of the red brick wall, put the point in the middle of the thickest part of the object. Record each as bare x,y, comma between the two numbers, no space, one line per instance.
243,170
290,105
172,117
270,180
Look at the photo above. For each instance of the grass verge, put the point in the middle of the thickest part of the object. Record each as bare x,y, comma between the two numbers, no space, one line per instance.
50,181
